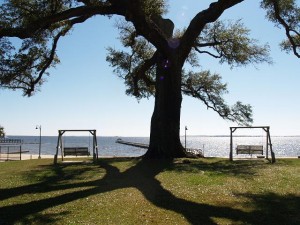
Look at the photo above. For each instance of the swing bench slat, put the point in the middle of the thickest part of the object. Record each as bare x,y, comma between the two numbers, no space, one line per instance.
249,149
76,151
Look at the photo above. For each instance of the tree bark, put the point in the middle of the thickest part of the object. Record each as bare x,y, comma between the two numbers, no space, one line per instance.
165,121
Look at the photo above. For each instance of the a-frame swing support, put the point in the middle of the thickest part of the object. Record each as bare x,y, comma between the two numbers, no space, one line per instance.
268,141
60,143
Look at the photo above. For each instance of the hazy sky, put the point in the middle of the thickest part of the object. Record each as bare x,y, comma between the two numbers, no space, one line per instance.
83,93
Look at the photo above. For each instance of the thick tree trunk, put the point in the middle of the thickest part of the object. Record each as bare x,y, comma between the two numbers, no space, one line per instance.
165,122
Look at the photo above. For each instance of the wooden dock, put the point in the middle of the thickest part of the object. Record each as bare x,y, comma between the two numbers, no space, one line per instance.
191,152
139,145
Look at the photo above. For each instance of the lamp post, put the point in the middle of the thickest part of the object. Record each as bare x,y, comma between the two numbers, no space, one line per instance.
185,129
40,144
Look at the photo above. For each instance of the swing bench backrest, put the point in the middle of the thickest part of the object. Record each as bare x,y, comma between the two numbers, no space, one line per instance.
76,151
249,149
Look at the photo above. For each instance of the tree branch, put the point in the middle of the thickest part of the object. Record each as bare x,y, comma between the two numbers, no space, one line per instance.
147,26
48,62
210,104
140,73
209,89
46,22
287,28
209,53
197,24
211,44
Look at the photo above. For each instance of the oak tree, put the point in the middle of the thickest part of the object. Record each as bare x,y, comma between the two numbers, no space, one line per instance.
155,59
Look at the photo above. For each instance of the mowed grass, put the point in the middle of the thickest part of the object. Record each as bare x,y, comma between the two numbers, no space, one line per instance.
132,191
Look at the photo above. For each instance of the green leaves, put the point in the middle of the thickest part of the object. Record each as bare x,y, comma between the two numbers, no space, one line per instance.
21,13
288,9
26,58
242,114
24,68
154,7
230,42
137,66
288,47
286,14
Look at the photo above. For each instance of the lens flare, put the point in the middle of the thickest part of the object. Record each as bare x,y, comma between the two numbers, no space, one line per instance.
173,43
166,64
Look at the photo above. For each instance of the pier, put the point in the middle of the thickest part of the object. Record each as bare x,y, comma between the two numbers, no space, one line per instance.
139,145
191,152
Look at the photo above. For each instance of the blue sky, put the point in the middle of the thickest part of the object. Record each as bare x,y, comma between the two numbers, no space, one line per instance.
83,93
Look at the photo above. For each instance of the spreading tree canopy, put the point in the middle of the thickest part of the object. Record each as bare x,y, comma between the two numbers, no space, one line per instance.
152,62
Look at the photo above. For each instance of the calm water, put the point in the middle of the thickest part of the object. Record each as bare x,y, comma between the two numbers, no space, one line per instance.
212,145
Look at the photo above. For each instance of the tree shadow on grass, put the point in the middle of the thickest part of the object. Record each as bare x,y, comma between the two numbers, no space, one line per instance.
141,176
271,208
242,168
46,183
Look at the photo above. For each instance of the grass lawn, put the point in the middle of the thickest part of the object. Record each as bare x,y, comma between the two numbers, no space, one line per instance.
131,191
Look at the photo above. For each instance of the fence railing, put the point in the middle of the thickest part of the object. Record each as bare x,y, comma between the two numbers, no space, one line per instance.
11,149
10,141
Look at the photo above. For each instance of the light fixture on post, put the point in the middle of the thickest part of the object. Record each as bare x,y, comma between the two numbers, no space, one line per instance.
185,129
40,144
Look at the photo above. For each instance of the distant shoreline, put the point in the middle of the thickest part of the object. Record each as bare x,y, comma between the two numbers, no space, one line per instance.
218,135
217,146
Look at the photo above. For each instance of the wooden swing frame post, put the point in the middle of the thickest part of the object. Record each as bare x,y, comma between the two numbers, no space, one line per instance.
60,143
268,141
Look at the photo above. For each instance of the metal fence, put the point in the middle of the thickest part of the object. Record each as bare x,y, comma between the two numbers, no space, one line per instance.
11,149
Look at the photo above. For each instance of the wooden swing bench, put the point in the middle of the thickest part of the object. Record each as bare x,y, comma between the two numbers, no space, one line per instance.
76,151
249,149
